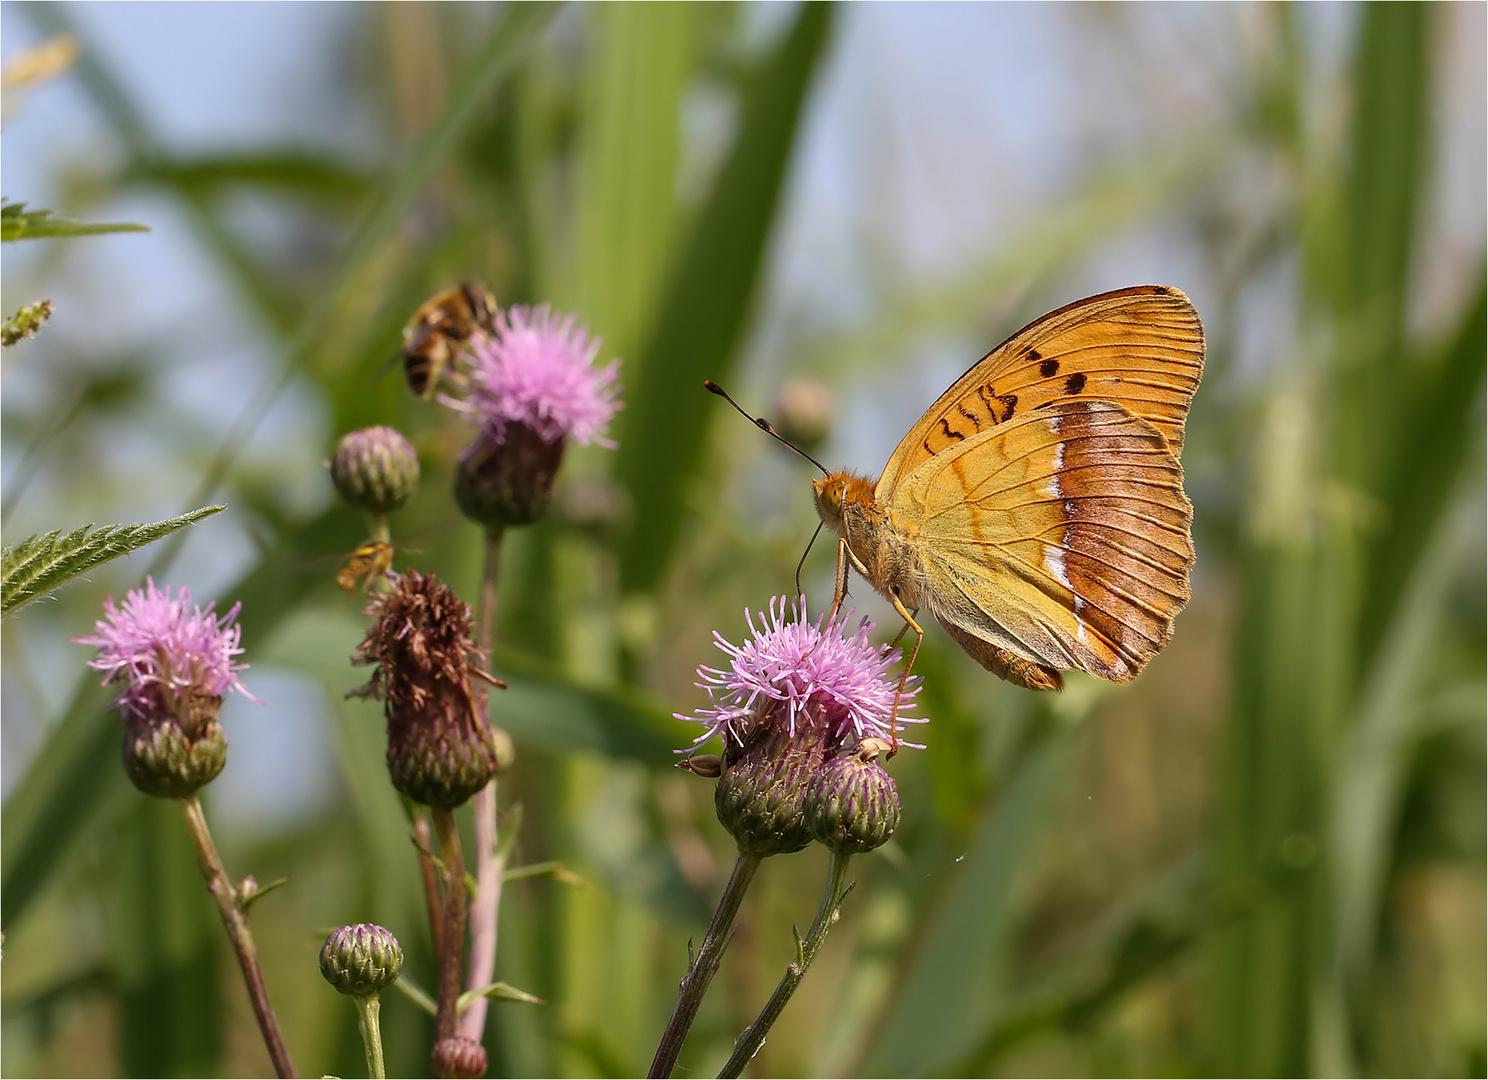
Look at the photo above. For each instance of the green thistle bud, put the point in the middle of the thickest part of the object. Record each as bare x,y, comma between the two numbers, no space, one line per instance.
375,469
759,798
361,960
462,1059
509,482
851,804
171,760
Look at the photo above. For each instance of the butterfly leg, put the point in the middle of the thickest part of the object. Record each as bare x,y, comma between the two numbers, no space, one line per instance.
839,583
909,624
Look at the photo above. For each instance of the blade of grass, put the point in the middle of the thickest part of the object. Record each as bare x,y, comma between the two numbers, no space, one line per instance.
702,318
166,949
642,57
956,977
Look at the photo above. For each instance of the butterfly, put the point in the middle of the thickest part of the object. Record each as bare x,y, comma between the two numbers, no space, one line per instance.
1036,510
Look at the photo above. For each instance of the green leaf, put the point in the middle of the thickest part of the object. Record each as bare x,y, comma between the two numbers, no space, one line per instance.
39,564
702,318
289,171
642,57
956,977
542,708
498,991
18,223
1433,437
166,946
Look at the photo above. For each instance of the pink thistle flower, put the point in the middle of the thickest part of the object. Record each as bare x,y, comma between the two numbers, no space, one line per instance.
165,649
802,676
175,660
537,370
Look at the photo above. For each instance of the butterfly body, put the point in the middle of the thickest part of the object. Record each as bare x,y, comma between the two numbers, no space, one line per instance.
1037,510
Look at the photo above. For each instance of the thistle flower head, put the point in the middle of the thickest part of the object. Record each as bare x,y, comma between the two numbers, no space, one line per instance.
164,648
440,751
537,370
175,661
800,675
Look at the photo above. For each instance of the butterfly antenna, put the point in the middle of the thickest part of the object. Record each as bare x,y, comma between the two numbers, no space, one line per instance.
799,565
764,425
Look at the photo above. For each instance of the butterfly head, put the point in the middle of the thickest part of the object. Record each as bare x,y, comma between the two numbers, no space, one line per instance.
835,492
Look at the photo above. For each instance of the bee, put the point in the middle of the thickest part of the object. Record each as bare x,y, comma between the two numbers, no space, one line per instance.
439,328
372,560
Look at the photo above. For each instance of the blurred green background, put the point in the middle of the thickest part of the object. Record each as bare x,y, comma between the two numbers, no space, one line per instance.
1264,857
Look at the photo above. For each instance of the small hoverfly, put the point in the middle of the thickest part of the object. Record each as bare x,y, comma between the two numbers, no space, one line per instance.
371,561
439,328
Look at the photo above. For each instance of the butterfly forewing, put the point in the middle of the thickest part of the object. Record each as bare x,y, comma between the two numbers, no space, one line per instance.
1061,536
1141,348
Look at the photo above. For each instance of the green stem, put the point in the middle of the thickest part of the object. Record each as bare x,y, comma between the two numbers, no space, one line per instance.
446,1020
826,914
367,1023
236,925
488,859
695,982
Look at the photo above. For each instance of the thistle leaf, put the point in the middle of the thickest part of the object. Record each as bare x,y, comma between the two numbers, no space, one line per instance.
42,563
499,991
18,223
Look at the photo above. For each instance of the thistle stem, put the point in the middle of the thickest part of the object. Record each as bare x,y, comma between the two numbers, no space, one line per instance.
430,876
695,982
367,1023
488,862
235,922
447,1017
826,914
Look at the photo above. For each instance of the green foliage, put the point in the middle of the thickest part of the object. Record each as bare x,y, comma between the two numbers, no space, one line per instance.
18,223
1247,862
39,564
699,327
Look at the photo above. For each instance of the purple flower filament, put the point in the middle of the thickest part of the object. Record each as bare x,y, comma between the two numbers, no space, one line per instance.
166,650
804,674
537,370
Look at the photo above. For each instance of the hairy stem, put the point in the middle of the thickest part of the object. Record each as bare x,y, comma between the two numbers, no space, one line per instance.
236,925
367,1023
695,982
826,914
488,862
430,876
447,1018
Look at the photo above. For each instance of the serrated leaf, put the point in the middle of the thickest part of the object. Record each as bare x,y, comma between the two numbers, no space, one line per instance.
39,564
18,223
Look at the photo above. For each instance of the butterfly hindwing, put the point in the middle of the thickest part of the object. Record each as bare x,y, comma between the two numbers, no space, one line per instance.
1141,348
1061,536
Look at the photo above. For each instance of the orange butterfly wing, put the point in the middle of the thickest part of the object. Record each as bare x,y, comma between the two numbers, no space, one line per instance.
1061,536
1142,348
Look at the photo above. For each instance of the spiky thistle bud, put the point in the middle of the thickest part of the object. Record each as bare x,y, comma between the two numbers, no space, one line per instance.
175,662
375,469
441,750
533,387
760,798
851,804
459,1058
361,960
